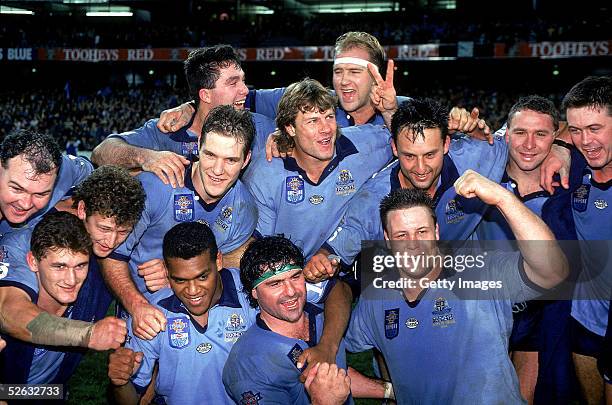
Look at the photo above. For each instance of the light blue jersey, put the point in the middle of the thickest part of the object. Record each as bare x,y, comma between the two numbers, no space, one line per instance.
458,217
185,142
262,366
306,212
191,357
443,348
72,172
232,220
592,211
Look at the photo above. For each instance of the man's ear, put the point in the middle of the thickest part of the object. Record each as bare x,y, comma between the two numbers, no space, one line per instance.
246,160
254,293
81,210
205,95
394,147
219,260
32,262
446,144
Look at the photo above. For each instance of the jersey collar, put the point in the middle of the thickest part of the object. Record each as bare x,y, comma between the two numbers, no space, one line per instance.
507,180
312,311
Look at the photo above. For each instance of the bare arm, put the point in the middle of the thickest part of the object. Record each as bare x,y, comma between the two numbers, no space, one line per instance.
365,387
16,312
232,259
122,364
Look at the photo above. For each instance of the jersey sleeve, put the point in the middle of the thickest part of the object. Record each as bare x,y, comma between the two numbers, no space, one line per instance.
150,350
359,337
241,391
257,184
266,101
79,168
14,269
243,225
488,160
264,126
147,136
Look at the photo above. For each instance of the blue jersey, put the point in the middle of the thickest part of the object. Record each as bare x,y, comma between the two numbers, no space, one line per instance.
306,212
185,142
443,348
591,209
266,102
457,216
27,363
262,366
188,354
232,220
72,172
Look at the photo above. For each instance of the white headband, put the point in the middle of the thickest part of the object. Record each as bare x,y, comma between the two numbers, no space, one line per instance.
354,61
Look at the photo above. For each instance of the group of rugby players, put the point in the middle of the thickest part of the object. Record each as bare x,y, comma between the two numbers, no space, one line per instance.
225,231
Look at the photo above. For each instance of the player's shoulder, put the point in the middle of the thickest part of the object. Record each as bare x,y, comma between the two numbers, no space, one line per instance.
367,137
151,183
261,170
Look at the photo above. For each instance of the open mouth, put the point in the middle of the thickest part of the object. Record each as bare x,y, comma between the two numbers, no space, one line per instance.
290,305
195,300
215,180
592,153
239,103
325,141
528,156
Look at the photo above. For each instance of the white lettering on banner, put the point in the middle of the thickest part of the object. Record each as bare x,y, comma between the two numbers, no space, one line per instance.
19,54
328,53
270,54
91,55
140,54
568,49
242,53
1,53
417,51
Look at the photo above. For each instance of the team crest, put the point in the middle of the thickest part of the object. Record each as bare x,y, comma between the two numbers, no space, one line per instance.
391,323
345,184
294,354
600,204
412,323
454,212
224,220
442,315
234,327
316,199
189,148
203,348
250,398
294,187
179,332
580,197
4,264
183,207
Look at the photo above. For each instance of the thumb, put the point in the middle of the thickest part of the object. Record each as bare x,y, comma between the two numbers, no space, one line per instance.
311,375
564,178
474,114
184,160
302,359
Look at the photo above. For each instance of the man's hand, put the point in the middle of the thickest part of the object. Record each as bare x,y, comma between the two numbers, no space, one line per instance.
320,353
107,333
147,321
320,266
383,95
472,184
460,120
122,364
175,118
155,274
558,161
272,147
2,344
327,384
168,166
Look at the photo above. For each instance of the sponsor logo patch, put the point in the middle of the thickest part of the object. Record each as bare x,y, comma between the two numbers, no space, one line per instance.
294,354
234,327
4,264
580,197
250,398
412,323
183,207
601,204
391,323
189,148
345,184
442,315
316,199
454,212
203,348
224,220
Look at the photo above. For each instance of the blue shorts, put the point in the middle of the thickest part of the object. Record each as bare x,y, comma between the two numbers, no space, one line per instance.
526,328
584,341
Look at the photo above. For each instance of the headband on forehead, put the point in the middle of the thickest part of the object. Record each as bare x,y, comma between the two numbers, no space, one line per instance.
354,61
275,272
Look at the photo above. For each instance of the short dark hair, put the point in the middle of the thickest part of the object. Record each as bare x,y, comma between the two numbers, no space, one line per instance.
594,92
202,67
41,151
265,253
418,114
404,198
307,95
365,41
227,121
111,192
188,240
538,104
59,230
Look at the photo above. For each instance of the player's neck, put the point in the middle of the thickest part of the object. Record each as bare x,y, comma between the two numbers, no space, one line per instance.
198,120
295,330
363,115
312,166
527,181
49,304
412,293
604,174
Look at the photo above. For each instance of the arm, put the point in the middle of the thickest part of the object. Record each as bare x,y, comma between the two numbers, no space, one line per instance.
543,260
337,314
232,259
327,384
122,364
147,321
365,387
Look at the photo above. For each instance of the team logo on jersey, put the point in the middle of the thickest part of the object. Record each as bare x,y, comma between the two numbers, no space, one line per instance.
294,354
600,204
183,207
202,221
412,323
250,398
391,323
580,197
454,212
203,348
294,186
224,220
234,327
442,314
316,199
189,148
179,332
39,351
4,264
345,184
